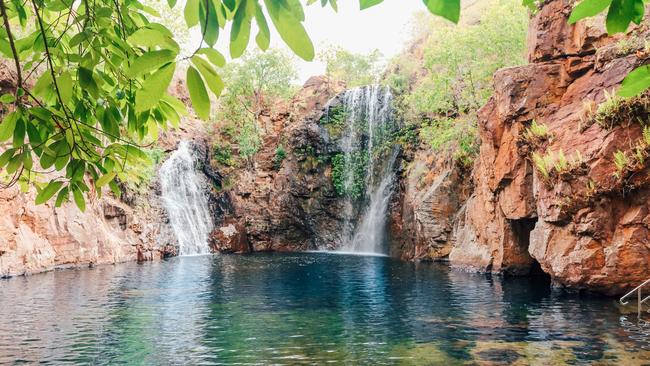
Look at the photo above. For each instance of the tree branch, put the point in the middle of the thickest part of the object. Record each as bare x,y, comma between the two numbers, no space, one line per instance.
5,17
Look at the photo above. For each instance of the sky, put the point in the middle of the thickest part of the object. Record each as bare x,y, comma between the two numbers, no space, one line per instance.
385,27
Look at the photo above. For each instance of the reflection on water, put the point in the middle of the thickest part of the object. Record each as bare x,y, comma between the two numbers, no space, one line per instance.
306,309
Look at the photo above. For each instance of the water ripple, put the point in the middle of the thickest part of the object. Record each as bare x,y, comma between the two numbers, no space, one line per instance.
309,308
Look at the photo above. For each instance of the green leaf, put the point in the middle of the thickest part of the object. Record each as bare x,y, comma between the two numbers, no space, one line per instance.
191,13
588,8
530,4
61,197
4,158
209,74
209,29
150,61
5,48
46,193
105,179
365,4
43,85
78,38
173,102
622,13
448,9
198,94
241,28
230,4
7,98
153,36
290,27
19,133
635,82
65,86
115,189
8,126
263,38
79,198
47,160
154,88
214,56
87,81
14,163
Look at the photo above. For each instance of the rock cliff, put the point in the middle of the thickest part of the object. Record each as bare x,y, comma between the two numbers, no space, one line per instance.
286,204
585,224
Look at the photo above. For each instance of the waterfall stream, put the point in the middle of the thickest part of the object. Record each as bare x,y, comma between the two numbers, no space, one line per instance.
185,201
369,159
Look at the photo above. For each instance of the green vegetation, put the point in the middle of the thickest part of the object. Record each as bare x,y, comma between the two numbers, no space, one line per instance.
615,110
544,164
223,154
460,61
458,66
255,83
556,165
458,135
334,120
536,133
354,184
352,68
106,68
621,161
280,155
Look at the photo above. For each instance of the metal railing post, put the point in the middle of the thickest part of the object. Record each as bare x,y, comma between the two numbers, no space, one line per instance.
639,304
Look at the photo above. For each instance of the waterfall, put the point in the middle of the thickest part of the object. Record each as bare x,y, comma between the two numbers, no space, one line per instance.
185,201
369,157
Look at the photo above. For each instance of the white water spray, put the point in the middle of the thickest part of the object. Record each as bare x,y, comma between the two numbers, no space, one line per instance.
185,201
369,123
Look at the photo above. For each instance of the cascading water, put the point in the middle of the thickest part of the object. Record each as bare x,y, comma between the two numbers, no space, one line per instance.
368,174
185,201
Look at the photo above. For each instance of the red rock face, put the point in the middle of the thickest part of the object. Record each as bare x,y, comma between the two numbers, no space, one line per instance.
425,207
289,206
582,240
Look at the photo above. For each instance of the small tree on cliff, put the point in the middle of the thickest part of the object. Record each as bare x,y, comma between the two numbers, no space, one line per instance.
102,69
254,84
353,68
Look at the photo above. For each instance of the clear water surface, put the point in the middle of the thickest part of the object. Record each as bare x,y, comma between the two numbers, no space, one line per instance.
309,308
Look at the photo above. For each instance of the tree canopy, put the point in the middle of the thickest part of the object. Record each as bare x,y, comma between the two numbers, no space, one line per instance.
353,68
92,76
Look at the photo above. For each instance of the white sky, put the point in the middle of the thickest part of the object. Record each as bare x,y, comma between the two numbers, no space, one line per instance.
384,27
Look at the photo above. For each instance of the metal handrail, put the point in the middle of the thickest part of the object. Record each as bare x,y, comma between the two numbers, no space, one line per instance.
638,288
646,299
640,299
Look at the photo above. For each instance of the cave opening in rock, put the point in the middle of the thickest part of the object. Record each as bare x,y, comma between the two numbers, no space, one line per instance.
521,231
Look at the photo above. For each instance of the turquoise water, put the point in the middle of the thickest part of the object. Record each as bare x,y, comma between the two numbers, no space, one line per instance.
310,308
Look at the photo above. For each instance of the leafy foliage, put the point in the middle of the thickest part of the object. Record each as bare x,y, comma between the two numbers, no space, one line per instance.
460,62
459,135
621,161
254,84
352,68
280,155
349,174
